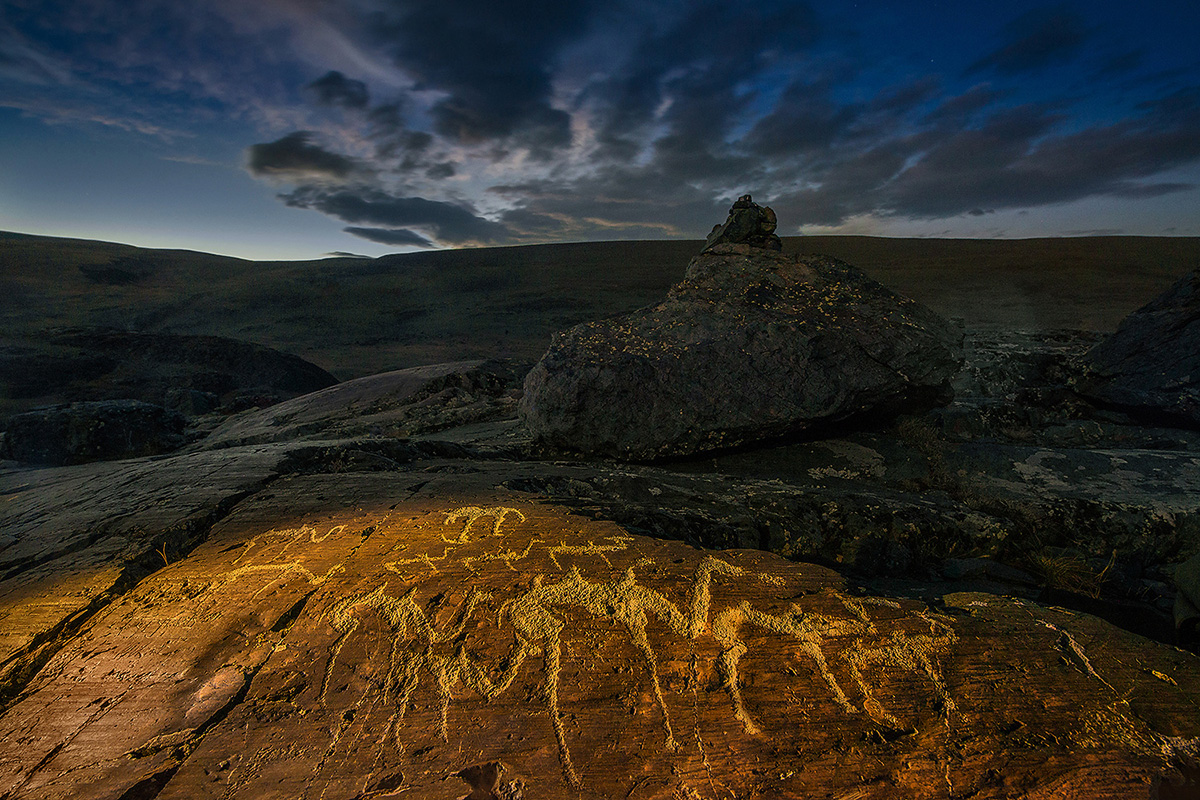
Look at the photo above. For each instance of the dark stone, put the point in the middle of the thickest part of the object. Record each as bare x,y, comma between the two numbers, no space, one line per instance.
191,402
752,345
93,364
99,431
748,223
1151,364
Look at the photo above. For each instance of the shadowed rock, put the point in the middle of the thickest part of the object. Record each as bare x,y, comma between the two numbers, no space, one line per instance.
90,364
81,432
1152,363
752,345
399,403
747,223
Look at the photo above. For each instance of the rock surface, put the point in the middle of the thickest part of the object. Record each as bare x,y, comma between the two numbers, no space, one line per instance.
426,632
400,403
87,364
311,615
1151,364
100,431
748,223
752,345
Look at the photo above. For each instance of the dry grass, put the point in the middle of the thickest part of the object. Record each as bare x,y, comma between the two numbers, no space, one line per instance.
1069,570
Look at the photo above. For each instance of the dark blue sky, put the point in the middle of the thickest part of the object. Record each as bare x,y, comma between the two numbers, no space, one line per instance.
291,128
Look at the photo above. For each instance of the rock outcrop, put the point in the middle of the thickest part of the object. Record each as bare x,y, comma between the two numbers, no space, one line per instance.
100,431
747,223
427,632
103,364
1151,364
752,345
394,404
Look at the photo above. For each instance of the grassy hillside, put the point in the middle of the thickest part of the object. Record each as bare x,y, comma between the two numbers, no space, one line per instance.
359,316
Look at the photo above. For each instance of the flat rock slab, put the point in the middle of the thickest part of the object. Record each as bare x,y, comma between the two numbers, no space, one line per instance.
73,538
428,634
397,403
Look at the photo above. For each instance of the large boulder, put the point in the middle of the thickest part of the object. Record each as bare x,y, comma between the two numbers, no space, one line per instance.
752,345
1151,364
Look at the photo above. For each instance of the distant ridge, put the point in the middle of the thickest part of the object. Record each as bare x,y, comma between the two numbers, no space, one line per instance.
356,316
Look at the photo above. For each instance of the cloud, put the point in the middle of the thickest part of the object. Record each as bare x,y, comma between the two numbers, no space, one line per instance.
22,61
1036,39
335,89
390,236
450,223
494,62
689,77
1015,160
805,118
295,158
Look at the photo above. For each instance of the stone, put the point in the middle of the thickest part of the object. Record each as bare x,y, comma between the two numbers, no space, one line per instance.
1187,602
81,432
437,617
748,223
398,403
94,364
752,345
1151,364
434,634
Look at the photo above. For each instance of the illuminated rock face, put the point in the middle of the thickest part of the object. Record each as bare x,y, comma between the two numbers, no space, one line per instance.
429,635
752,345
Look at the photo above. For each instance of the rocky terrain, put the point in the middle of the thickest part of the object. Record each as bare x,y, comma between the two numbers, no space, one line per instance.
392,587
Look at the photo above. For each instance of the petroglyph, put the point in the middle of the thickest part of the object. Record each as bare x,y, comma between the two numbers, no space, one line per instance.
424,558
507,555
472,513
905,652
540,617
590,549
282,570
809,629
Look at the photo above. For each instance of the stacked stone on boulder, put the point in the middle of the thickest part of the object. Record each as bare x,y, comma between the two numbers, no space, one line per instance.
747,223
753,345
1151,364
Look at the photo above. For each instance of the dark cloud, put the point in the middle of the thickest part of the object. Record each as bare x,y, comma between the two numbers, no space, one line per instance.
335,89
449,223
696,68
1036,39
494,60
440,171
1015,160
294,157
1121,64
805,118
959,109
399,237
394,141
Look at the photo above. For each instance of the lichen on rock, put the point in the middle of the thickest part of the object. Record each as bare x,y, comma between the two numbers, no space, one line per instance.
752,345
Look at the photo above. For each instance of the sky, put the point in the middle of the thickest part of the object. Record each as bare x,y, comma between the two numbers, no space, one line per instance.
289,129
